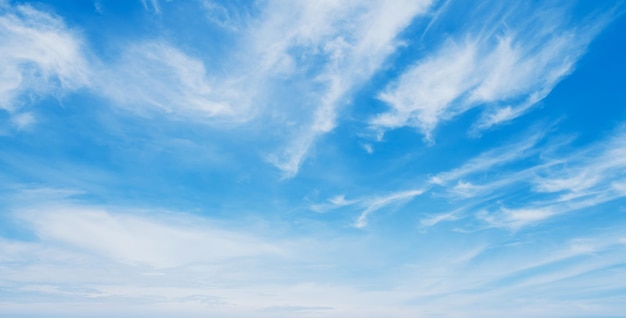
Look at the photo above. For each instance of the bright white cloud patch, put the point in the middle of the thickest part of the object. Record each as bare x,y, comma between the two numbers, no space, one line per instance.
341,45
506,67
39,56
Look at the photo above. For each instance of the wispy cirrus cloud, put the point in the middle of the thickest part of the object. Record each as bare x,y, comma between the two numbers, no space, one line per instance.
338,44
558,182
370,204
506,64
491,159
488,187
335,202
378,203
42,56
297,78
583,181
39,56
156,76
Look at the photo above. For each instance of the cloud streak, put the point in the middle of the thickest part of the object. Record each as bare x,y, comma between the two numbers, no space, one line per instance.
157,76
132,239
378,203
370,204
559,182
347,42
40,56
506,68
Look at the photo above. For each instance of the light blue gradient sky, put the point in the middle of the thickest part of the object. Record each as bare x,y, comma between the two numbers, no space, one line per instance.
275,158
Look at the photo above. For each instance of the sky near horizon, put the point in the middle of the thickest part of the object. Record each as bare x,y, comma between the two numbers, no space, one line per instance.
277,158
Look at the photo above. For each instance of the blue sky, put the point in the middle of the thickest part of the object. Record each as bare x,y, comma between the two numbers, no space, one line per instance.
275,158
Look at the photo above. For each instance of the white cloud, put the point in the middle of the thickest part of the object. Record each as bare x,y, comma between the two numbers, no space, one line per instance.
370,204
333,203
537,210
341,43
529,182
506,67
375,204
156,75
39,55
139,240
517,218
489,160
619,186
574,183
590,171
162,264
86,258
330,48
340,200
432,220
558,184
551,181
424,93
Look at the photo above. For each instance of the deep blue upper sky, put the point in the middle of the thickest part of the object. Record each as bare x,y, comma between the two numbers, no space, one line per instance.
276,158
